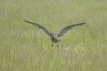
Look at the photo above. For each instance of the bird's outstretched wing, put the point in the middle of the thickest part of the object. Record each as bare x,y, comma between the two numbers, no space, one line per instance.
39,26
70,27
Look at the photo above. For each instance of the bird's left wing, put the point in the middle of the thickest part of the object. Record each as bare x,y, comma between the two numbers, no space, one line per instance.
70,27
39,26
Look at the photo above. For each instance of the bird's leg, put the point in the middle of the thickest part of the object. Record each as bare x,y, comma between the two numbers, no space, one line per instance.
57,45
52,45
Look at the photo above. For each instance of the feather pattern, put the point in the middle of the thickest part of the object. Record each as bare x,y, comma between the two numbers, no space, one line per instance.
41,27
54,36
70,27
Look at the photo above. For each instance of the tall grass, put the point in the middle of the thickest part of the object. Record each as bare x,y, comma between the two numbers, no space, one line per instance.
24,47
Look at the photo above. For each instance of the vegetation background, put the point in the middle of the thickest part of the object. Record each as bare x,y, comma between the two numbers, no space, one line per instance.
23,47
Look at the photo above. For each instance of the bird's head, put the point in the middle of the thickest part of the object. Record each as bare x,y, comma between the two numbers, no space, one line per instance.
54,35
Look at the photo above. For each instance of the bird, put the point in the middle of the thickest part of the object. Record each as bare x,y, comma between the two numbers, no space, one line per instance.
55,35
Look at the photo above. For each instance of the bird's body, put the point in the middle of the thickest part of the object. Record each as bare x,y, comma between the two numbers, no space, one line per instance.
54,36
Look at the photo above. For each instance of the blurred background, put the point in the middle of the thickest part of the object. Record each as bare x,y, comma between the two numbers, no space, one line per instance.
23,47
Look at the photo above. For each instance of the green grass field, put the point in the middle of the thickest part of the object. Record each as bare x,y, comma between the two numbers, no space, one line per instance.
23,47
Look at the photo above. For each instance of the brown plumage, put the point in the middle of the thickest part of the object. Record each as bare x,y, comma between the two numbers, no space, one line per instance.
54,36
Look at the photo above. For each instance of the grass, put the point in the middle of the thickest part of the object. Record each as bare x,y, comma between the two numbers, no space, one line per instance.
26,48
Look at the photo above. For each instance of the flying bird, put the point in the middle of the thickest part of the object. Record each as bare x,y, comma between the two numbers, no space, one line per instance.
54,35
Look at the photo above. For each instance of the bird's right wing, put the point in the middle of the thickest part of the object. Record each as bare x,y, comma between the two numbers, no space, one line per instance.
70,27
39,26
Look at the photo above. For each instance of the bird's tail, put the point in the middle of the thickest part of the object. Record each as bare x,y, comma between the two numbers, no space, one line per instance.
59,41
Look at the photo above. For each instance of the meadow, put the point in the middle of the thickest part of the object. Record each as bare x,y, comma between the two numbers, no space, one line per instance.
23,47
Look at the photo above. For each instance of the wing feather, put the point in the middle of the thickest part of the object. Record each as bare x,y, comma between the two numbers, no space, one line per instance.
39,26
70,27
